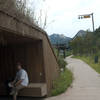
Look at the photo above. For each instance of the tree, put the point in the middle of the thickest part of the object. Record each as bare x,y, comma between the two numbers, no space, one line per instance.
88,44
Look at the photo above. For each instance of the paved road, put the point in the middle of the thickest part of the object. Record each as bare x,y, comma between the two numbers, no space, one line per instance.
86,84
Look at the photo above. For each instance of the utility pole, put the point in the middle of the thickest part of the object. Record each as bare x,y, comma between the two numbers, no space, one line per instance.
93,21
88,16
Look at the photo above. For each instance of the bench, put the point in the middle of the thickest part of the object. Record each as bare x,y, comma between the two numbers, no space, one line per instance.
34,90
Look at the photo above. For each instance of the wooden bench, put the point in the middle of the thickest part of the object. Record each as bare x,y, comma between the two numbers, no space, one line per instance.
34,90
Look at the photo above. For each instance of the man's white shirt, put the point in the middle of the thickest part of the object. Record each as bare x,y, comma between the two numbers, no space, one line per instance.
22,75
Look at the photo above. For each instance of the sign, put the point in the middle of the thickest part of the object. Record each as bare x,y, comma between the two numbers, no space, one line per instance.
87,16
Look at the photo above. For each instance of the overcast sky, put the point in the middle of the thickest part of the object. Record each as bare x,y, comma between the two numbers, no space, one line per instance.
63,15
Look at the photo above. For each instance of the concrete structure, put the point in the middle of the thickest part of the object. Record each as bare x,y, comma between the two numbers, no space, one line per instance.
29,44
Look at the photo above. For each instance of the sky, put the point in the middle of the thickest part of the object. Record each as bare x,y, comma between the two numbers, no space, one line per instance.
62,15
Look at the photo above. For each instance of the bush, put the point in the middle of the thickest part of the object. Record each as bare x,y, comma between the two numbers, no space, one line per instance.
62,63
65,78
62,83
68,53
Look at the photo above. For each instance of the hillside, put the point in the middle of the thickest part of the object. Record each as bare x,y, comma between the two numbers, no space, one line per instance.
80,33
88,44
59,39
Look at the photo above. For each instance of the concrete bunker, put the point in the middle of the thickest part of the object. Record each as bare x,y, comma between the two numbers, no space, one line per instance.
16,48
25,42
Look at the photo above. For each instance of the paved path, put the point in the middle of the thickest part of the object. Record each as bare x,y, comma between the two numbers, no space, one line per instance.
86,84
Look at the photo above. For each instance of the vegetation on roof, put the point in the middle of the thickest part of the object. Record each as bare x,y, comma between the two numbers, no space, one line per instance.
19,9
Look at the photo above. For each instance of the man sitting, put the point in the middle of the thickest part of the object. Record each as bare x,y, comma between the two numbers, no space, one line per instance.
20,82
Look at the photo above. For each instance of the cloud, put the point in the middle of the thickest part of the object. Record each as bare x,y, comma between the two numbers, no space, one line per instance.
65,13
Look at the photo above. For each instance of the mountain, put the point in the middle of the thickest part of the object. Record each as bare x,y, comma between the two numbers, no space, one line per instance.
59,39
80,33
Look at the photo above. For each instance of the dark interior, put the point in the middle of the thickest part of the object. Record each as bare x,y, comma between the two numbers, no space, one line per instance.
15,49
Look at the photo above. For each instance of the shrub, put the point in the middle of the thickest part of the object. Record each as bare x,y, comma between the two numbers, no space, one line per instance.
62,83
62,63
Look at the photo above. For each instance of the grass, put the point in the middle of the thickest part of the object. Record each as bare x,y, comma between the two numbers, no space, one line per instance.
67,52
55,51
61,84
62,64
90,61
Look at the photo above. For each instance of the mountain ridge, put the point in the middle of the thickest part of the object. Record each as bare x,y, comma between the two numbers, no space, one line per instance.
80,33
59,39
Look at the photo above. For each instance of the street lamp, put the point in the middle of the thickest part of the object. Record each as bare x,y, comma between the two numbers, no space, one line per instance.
87,16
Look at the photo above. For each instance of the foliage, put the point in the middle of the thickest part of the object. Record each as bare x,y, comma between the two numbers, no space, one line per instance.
55,51
87,45
62,63
65,78
20,9
90,61
62,83
68,53
82,45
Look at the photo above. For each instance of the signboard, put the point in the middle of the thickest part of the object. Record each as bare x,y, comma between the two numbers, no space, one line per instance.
87,16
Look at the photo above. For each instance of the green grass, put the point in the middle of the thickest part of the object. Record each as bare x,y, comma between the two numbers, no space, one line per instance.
65,78
55,51
90,61
62,64
61,84
68,53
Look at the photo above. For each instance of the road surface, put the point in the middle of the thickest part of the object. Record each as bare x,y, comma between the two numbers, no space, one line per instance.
86,84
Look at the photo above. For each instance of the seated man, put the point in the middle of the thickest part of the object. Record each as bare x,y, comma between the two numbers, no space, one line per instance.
20,82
